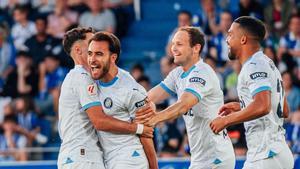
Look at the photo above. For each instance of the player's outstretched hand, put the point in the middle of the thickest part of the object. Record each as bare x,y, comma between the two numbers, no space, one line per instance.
229,108
147,132
144,113
218,124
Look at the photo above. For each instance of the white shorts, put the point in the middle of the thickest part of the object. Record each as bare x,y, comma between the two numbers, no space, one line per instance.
82,165
134,159
283,160
225,164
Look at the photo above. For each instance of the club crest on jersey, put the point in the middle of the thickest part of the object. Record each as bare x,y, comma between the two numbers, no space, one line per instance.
198,80
258,75
108,103
92,89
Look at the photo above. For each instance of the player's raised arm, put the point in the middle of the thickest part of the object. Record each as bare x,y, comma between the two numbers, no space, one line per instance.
158,94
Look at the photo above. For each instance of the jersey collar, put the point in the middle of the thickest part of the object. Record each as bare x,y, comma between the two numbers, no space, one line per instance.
185,74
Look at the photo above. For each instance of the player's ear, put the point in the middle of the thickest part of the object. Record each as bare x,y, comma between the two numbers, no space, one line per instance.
77,49
243,39
197,48
114,57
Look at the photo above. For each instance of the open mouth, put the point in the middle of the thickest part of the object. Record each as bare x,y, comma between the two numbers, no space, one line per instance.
95,67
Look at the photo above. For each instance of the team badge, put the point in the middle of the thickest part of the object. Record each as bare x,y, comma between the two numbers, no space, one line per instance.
92,89
108,103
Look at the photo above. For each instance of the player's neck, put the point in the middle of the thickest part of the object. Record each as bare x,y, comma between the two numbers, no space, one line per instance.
110,75
247,52
188,65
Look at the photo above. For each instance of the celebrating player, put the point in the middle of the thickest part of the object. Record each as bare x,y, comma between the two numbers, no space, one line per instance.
262,105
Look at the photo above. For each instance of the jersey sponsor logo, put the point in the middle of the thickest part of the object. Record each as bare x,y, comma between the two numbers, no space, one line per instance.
108,103
198,80
258,75
92,89
140,103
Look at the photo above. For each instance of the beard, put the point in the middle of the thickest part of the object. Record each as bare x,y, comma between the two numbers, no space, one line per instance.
231,55
105,70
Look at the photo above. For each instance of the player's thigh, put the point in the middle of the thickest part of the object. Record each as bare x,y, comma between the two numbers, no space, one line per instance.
82,165
130,160
283,160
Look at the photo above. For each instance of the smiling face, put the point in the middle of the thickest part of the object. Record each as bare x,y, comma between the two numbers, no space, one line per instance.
99,59
181,48
233,41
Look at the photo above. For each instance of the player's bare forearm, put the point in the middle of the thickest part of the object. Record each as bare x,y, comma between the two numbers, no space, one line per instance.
150,152
184,104
103,122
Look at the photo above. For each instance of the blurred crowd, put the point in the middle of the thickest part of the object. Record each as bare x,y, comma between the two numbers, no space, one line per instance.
33,64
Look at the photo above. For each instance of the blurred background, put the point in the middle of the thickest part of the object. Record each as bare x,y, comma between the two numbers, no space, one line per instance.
33,65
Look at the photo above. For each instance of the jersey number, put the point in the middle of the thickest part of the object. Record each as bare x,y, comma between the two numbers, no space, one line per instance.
189,113
281,95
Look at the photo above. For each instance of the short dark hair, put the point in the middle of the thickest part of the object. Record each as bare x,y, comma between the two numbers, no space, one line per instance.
188,13
113,42
196,36
253,26
293,16
73,36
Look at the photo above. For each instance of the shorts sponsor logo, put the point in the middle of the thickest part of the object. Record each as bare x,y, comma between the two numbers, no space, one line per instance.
197,80
92,89
108,103
258,75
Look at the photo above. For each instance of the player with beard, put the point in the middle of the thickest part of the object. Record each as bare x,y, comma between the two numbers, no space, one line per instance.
199,98
80,111
262,106
120,96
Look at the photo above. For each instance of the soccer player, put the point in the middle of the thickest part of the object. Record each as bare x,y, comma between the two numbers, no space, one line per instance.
120,96
80,112
262,106
199,98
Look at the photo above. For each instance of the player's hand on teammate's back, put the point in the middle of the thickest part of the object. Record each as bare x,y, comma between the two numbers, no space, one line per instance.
218,124
145,113
147,132
229,108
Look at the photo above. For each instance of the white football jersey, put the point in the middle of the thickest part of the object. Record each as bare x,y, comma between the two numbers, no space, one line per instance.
206,147
265,135
120,99
79,138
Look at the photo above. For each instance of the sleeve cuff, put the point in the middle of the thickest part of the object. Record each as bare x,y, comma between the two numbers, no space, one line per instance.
260,89
168,90
194,93
89,105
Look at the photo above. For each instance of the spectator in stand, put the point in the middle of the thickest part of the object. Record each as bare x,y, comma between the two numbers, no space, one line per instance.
184,18
290,43
277,15
293,132
166,65
218,46
43,7
50,81
99,17
250,8
28,121
61,19
23,80
231,82
145,82
78,6
208,17
42,43
292,92
12,143
7,54
137,71
23,29
124,14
